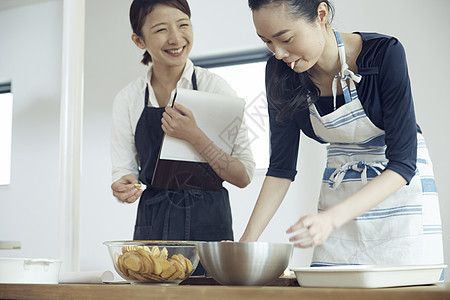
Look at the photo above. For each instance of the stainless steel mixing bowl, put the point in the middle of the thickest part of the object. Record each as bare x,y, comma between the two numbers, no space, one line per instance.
244,263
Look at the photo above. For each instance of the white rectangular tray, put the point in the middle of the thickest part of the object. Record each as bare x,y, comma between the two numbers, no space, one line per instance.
368,276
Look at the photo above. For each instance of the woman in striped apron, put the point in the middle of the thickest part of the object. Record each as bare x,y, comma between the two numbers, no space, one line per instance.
378,202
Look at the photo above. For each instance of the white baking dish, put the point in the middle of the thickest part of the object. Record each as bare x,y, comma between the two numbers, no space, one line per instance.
25,270
368,276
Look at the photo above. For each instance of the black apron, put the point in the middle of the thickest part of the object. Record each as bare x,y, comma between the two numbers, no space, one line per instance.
195,215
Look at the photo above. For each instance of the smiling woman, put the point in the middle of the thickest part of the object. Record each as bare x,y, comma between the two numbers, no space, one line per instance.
143,114
6,101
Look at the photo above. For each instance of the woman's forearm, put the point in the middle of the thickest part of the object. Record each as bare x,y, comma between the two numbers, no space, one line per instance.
179,122
314,229
227,167
272,194
369,196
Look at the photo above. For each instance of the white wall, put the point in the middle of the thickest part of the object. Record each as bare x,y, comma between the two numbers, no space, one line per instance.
30,56
28,213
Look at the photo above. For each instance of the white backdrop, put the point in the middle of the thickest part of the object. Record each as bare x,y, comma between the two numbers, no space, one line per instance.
30,54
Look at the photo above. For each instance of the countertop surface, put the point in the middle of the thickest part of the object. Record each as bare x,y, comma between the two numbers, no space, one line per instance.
287,289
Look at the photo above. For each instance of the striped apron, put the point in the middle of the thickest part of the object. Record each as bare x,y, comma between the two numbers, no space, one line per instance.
405,229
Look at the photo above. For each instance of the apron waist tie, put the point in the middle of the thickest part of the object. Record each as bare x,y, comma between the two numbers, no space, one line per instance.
338,175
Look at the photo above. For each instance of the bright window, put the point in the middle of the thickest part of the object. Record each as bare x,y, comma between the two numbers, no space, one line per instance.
245,72
6,101
248,82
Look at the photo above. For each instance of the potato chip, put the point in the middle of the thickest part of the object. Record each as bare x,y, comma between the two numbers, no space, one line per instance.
169,272
155,251
164,253
132,262
138,276
121,267
157,269
154,278
175,275
180,269
189,267
147,265
164,263
180,259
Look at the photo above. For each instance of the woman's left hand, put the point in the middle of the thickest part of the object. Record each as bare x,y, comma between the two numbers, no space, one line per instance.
179,122
311,230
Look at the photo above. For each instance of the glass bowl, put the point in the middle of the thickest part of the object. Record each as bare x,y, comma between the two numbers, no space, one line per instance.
154,262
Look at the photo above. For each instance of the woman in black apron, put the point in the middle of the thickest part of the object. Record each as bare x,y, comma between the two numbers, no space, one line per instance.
163,30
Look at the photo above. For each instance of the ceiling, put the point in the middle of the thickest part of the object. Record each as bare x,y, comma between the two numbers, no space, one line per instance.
8,4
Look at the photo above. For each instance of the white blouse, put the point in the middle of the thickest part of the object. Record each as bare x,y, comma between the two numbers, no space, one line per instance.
129,104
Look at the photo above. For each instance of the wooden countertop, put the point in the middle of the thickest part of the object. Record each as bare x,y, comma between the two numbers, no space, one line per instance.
439,291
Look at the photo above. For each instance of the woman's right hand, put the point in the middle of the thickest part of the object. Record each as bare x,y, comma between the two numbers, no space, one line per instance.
124,189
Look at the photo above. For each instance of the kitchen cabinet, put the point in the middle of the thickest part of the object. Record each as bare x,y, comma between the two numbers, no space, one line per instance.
439,291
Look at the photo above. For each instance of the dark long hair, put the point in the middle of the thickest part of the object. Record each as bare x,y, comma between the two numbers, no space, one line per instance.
141,8
287,90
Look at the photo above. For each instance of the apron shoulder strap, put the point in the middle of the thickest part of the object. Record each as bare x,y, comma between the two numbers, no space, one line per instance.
146,96
194,80
194,85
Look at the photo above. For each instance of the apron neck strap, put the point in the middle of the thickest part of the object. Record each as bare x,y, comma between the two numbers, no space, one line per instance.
341,50
345,74
194,87
146,95
194,81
